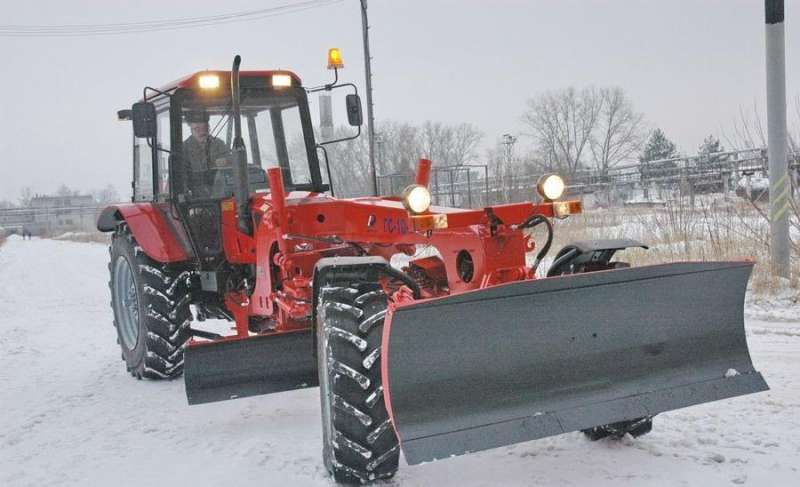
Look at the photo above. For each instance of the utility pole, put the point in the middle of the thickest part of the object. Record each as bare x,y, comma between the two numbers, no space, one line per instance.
370,114
509,141
325,117
779,193
507,174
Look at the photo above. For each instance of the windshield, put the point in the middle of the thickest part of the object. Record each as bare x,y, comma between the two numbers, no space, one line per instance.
272,131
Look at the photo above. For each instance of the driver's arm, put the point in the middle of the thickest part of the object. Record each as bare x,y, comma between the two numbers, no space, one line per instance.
219,155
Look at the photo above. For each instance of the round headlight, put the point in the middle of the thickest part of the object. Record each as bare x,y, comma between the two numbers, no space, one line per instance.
550,186
416,198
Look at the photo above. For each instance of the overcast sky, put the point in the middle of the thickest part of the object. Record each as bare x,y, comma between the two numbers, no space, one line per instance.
688,66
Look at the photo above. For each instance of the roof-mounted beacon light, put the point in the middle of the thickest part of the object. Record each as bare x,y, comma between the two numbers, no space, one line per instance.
335,58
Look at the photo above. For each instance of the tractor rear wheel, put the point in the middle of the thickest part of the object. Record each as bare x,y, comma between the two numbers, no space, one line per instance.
150,301
359,442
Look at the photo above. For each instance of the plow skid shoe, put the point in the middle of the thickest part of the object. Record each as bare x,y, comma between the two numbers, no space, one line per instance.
264,364
532,359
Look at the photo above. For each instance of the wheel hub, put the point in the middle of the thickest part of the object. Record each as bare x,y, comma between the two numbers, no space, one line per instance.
126,303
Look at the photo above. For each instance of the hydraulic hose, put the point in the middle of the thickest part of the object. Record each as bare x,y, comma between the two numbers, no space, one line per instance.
531,222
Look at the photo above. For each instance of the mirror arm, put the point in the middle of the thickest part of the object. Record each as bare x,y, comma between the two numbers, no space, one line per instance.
328,86
327,167
343,139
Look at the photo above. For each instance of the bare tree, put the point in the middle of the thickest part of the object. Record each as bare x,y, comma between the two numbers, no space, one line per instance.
399,148
349,164
106,195
619,131
64,190
25,196
449,145
399,145
747,131
575,129
509,173
562,124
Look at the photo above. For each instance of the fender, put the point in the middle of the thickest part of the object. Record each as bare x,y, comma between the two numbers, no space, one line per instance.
155,232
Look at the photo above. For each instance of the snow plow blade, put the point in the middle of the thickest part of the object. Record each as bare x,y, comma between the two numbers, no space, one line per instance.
263,364
532,359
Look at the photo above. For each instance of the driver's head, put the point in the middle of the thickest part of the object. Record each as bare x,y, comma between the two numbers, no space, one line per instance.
199,130
198,122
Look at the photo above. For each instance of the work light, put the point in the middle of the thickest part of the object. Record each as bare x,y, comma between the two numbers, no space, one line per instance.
281,81
550,186
208,81
416,198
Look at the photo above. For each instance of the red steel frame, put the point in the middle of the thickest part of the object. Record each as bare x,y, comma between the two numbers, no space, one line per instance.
293,231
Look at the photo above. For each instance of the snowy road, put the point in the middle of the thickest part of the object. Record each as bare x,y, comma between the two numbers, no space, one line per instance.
70,415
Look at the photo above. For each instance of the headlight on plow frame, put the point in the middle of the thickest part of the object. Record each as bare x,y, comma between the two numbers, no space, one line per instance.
551,187
416,199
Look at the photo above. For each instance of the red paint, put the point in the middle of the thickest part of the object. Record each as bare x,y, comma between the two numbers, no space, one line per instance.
238,304
387,397
293,231
151,227
423,172
239,247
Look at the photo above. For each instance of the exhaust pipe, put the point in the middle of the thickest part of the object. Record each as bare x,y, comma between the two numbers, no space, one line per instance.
241,187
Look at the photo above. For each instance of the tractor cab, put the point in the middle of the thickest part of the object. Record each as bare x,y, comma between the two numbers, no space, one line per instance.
184,154
184,136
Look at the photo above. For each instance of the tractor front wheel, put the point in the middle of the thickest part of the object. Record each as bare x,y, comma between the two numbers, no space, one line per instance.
359,442
150,301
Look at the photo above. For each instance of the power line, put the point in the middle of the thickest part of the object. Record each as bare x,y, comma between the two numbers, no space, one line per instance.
87,30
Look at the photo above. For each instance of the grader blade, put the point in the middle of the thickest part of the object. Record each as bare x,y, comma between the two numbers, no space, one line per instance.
236,368
533,359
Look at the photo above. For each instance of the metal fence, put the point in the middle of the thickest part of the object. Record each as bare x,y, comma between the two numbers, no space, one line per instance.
465,186
472,186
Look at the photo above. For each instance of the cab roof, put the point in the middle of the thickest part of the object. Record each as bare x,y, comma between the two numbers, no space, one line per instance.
190,81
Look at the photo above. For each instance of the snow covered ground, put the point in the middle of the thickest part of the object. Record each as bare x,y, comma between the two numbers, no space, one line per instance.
70,414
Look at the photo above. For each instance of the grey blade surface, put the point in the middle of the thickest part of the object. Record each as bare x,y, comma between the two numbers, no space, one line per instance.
264,364
537,358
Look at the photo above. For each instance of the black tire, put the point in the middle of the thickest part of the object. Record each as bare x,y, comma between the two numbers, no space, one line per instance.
635,427
359,442
152,317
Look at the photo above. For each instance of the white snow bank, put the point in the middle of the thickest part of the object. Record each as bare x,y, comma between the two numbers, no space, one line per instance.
72,416
640,200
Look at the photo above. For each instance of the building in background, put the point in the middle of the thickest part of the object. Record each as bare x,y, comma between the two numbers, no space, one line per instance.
52,215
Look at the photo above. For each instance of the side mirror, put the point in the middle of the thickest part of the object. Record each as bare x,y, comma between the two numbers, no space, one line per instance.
144,119
354,117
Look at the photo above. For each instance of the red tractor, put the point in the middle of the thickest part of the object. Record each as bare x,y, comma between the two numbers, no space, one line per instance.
456,349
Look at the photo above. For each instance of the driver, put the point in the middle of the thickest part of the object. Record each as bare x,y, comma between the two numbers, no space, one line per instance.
201,150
